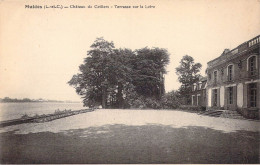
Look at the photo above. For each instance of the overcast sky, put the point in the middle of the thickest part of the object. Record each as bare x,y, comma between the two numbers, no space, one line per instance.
40,49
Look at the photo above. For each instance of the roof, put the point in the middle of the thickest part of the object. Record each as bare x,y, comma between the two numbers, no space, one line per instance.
241,48
203,78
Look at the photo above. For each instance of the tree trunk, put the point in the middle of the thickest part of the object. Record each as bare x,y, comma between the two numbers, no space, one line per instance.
104,97
120,96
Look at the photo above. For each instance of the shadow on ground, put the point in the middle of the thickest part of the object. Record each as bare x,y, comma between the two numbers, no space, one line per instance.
131,144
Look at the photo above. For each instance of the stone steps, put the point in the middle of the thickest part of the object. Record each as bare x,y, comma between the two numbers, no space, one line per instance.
232,115
224,114
212,113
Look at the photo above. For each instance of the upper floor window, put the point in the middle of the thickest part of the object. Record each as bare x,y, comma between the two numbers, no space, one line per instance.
215,76
230,72
252,65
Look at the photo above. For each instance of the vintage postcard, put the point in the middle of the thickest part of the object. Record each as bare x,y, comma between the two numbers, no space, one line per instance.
129,81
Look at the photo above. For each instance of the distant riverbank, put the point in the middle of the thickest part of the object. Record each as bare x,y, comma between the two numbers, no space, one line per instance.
25,100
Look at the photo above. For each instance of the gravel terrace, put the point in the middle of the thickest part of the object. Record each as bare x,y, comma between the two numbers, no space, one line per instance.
132,136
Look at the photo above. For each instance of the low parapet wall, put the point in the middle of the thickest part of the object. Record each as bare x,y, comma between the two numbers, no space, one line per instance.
43,118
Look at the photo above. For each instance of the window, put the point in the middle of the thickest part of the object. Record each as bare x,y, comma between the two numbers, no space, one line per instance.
193,100
215,95
198,99
215,76
252,65
230,72
252,95
230,95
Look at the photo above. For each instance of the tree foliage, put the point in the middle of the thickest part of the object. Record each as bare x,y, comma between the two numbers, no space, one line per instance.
171,100
149,69
118,77
188,73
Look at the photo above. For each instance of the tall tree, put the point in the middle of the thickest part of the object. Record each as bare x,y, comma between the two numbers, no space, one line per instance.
188,73
92,81
120,75
116,77
149,69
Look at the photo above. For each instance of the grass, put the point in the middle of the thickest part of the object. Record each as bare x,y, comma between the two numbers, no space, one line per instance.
131,144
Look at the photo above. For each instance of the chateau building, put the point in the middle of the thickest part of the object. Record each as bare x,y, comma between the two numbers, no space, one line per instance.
198,94
233,80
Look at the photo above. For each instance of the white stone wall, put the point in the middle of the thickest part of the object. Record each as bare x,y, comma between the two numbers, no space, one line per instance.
192,100
209,97
222,96
240,95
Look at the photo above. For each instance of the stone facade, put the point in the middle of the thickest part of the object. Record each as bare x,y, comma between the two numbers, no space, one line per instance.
198,94
233,80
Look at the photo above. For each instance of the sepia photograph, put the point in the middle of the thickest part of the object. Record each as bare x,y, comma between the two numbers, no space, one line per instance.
129,82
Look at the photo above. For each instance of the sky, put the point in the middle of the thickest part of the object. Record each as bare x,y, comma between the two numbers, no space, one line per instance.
40,50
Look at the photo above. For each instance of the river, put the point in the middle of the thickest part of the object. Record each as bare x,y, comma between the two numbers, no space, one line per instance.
10,111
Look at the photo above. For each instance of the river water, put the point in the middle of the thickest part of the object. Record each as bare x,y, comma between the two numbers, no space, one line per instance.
16,110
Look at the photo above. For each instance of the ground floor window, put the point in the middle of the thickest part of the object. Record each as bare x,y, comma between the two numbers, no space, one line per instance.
215,97
198,100
193,100
252,95
230,95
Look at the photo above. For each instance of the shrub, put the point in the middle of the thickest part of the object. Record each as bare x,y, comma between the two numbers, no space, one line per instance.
171,100
36,115
57,111
192,108
152,103
25,116
143,102
249,113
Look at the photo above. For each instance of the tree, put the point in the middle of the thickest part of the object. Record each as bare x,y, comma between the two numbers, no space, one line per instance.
92,82
188,73
117,77
120,76
149,68
171,100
